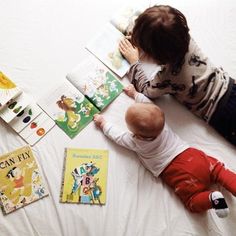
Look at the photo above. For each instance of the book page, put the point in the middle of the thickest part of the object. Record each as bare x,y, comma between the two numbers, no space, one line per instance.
96,82
68,107
37,128
8,90
14,107
105,47
25,117
124,19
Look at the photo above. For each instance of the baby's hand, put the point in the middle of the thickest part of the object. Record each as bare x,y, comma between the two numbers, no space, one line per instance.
99,121
130,91
130,53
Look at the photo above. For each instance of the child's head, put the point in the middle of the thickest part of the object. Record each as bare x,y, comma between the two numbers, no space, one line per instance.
145,120
162,33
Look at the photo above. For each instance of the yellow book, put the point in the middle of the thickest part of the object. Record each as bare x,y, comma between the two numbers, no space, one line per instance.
8,90
20,180
85,176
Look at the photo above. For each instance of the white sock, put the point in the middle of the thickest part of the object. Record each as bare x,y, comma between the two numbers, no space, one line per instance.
219,204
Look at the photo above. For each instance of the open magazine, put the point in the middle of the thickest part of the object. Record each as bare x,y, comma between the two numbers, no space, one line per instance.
105,43
89,88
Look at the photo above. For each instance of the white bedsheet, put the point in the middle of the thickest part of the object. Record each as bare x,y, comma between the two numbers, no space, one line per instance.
40,42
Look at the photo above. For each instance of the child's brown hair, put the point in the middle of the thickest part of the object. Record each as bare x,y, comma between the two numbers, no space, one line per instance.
162,33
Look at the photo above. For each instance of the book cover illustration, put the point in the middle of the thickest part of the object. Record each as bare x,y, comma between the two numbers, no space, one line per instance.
85,176
14,107
8,90
37,128
124,20
20,180
96,82
69,108
105,46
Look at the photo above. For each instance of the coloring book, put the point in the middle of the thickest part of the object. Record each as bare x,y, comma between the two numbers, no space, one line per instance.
85,176
20,180
89,88
105,43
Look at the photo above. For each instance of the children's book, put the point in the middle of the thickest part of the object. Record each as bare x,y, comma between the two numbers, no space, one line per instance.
20,113
8,90
85,176
89,88
105,44
20,180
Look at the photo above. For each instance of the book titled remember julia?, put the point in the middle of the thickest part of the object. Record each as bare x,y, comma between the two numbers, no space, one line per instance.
85,176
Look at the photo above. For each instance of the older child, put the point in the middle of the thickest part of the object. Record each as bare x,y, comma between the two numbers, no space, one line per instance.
188,171
161,34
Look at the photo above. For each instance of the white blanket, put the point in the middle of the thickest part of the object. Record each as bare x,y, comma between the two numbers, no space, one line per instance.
40,42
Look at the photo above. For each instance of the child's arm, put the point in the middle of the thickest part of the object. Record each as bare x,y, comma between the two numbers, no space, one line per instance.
139,97
120,137
136,75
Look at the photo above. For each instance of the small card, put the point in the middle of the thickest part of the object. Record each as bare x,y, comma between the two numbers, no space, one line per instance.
25,117
37,128
14,107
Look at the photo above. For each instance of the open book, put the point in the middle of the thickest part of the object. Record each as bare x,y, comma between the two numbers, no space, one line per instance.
21,113
105,43
85,176
89,88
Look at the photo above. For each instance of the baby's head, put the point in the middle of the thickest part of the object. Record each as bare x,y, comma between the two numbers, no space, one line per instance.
161,33
145,120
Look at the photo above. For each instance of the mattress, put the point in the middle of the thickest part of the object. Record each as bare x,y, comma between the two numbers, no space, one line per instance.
41,41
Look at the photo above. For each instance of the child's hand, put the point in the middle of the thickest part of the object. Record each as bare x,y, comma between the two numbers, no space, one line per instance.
130,91
130,53
99,121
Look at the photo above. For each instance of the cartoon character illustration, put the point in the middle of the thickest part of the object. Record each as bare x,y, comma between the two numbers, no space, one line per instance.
98,100
116,58
38,189
16,175
69,106
84,177
104,91
86,109
112,86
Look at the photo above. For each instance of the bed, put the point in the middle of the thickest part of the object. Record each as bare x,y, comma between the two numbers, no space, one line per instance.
41,41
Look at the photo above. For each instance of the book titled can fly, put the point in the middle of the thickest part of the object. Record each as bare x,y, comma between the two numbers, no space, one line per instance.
20,180
85,176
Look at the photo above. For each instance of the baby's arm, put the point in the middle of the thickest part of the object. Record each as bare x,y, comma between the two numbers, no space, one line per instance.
139,97
122,138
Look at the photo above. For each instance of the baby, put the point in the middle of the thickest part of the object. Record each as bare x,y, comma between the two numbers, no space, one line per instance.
188,171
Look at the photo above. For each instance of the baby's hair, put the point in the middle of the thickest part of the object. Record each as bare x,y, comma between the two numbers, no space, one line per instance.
145,119
162,33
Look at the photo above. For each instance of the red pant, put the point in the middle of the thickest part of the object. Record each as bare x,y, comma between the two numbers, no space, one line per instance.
191,173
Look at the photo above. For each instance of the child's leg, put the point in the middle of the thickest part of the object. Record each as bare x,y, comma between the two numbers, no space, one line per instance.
192,193
221,175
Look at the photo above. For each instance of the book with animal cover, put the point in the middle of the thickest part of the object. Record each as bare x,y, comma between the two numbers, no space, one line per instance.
21,182
105,44
86,91
8,90
85,176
